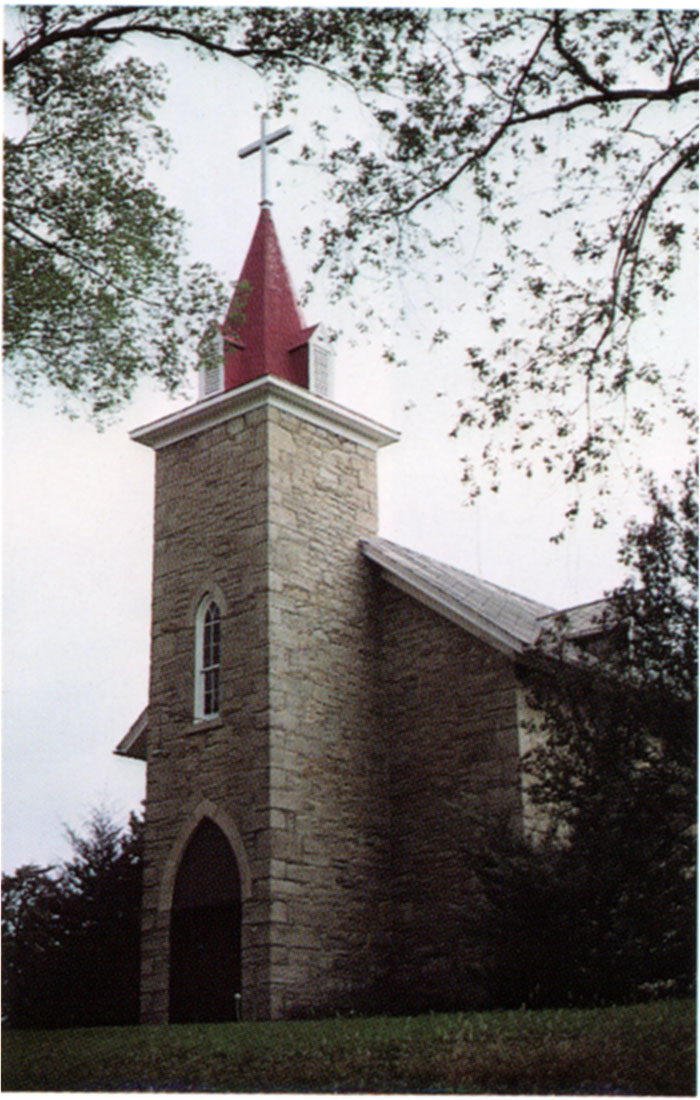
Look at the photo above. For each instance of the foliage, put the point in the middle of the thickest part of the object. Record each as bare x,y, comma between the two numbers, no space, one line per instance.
568,137
641,1050
635,736
71,934
659,601
97,291
569,924
31,937
605,899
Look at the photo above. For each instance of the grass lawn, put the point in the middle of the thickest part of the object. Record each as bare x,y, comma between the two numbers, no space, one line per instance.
632,1050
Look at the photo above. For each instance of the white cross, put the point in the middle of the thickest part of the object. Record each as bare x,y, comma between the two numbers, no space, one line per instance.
261,146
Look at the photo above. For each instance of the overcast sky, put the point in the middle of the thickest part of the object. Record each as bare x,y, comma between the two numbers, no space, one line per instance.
78,503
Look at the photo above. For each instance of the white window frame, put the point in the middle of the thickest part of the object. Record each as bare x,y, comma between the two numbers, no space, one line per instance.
202,708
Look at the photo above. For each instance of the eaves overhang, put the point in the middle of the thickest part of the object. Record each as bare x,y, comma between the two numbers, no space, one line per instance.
408,580
134,742
268,391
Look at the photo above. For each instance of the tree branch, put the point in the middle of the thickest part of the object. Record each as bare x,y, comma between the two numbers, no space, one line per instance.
526,68
603,98
672,47
85,30
610,95
630,245
652,164
92,30
572,61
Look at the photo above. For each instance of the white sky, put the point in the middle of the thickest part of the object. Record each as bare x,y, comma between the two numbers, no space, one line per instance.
78,503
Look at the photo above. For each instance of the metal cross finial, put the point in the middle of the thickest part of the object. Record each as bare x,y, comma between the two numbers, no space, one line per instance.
261,146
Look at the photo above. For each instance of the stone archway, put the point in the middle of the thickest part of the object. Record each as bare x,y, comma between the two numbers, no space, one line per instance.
205,929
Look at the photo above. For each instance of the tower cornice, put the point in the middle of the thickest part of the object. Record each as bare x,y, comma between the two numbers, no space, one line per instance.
265,391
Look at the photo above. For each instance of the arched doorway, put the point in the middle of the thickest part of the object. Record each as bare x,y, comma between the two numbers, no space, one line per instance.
205,930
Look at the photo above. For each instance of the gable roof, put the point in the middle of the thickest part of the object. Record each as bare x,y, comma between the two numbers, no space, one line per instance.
507,621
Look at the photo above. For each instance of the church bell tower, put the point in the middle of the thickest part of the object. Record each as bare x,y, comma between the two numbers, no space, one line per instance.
266,821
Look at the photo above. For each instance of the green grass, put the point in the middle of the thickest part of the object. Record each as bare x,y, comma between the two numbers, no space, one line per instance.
632,1050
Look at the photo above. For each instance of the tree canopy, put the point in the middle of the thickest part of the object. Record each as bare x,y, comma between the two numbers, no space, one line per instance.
71,934
568,137
632,741
571,138
595,901
97,290
615,761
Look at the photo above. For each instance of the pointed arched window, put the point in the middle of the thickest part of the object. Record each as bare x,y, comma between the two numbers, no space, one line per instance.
207,659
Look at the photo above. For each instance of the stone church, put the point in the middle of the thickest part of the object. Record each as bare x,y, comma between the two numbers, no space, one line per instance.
328,711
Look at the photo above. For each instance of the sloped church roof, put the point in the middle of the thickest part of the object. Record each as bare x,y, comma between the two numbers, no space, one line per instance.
504,619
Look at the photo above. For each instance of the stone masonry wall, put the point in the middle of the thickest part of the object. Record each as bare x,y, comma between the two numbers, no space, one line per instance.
210,529
450,720
269,509
327,764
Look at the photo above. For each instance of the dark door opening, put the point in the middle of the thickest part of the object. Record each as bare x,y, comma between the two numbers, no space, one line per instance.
205,930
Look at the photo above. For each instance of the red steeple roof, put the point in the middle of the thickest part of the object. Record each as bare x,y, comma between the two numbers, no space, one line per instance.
264,331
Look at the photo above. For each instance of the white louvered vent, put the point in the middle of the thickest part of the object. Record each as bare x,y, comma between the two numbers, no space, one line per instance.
321,364
211,380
